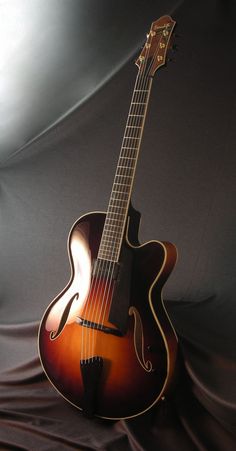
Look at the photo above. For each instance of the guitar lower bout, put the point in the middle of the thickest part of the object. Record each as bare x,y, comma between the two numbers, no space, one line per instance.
122,369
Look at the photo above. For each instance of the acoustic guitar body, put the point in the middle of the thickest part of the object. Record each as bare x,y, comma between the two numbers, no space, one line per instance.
106,342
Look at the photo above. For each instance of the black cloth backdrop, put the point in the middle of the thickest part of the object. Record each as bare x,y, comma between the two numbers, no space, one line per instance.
185,189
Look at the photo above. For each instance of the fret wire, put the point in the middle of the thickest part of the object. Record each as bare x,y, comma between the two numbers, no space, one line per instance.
116,215
137,115
109,242
119,192
111,234
113,220
111,255
129,154
118,208
129,170
111,239
128,164
107,248
126,167
124,190
138,122
111,214
122,172
106,224
115,229
126,176
116,220
112,206
109,218
108,255
135,132
125,171
107,258
139,104
131,161
137,108
119,200
133,148
112,229
113,225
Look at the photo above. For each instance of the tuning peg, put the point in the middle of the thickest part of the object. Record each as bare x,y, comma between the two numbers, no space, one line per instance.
174,47
170,60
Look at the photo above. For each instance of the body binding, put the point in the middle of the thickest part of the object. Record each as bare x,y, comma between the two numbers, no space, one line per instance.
138,364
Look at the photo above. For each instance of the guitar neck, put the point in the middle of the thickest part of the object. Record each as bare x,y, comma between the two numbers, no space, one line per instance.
117,211
152,57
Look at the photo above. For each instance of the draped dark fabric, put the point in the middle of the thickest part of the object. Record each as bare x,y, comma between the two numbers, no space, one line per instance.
185,190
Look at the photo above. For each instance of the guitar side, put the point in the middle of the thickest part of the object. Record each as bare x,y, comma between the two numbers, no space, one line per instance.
138,365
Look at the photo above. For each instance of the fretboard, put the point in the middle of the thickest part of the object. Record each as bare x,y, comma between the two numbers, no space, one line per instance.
116,216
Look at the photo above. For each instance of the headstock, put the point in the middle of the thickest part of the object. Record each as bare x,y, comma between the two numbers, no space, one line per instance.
153,54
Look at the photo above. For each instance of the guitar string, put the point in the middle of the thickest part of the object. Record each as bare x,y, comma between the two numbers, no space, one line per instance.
132,167
129,169
133,137
108,295
88,312
97,286
108,269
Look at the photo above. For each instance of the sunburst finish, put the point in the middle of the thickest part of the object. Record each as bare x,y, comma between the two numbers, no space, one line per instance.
106,342
125,389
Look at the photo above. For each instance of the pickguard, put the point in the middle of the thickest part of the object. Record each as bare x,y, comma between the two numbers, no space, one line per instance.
119,311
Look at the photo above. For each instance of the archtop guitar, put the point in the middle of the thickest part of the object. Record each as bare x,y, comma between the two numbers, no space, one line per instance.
106,342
